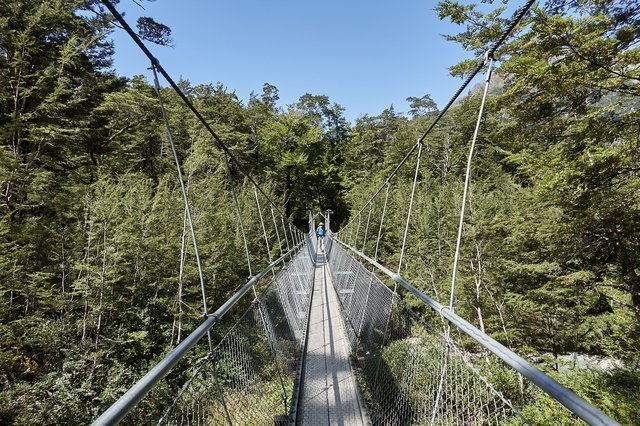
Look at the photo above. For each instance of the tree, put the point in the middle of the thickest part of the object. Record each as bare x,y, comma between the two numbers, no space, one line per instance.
567,133
421,106
293,155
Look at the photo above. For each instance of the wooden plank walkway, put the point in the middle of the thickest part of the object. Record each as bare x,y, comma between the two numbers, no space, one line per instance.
330,395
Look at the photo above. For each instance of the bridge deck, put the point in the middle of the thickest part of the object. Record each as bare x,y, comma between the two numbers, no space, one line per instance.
330,395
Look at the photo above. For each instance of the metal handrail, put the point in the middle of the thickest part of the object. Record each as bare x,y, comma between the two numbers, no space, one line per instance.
564,396
134,395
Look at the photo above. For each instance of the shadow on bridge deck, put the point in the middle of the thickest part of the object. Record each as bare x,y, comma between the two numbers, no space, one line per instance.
329,391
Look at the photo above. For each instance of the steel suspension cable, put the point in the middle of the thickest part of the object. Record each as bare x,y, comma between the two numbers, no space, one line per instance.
125,404
580,407
366,300
284,231
239,214
355,243
264,229
413,192
165,118
294,240
384,210
515,19
451,307
467,179
350,236
275,225
366,229
156,64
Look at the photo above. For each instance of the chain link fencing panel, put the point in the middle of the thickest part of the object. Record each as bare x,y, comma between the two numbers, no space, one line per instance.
248,379
415,370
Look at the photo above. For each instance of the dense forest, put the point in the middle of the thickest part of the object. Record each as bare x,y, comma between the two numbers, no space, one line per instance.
96,283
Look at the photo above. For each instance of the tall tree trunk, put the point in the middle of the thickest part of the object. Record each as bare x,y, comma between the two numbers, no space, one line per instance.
631,278
635,298
498,307
477,271
63,275
287,193
183,256
84,319
11,294
102,280
432,276
88,282
16,101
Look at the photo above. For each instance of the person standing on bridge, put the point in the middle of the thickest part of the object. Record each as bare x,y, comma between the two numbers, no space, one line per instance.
320,234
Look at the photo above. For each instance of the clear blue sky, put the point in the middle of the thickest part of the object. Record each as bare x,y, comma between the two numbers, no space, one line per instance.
364,54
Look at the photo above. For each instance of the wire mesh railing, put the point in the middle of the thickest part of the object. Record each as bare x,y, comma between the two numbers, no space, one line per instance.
411,370
434,368
249,376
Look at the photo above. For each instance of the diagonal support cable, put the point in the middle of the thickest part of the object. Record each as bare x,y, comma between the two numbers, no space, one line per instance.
467,179
275,225
384,210
262,225
284,231
413,193
239,214
165,118
217,139
130,399
515,20
366,229
577,405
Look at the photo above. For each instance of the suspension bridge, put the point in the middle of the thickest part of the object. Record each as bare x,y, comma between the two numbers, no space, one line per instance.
328,338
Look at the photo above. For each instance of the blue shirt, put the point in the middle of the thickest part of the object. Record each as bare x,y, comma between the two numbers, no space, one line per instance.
320,231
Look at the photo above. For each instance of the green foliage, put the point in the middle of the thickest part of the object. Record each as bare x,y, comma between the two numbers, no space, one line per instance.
615,392
549,251
98,277
96,283
149,29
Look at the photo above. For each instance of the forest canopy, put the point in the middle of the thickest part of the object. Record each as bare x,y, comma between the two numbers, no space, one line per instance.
95,283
